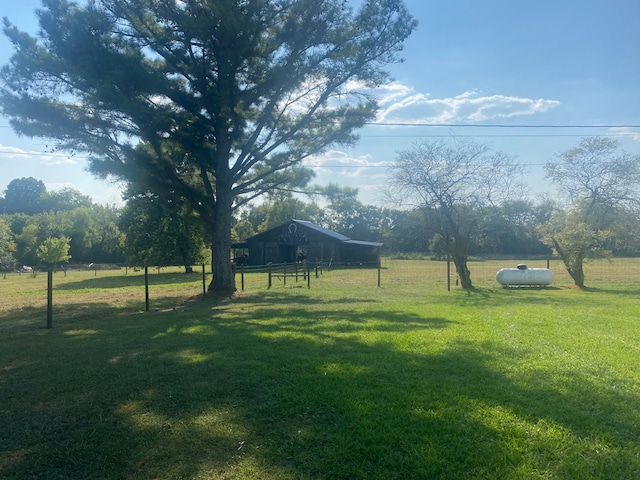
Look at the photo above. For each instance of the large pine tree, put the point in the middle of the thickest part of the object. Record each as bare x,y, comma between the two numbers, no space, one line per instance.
215,101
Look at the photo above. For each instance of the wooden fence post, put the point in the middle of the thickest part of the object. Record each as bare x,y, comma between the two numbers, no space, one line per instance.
270,274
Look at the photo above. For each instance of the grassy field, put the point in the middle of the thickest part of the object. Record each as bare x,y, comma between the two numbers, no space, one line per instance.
341,381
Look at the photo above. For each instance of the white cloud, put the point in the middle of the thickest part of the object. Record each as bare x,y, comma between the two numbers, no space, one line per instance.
626,132
385,94
342,164
8,152
467,107
56,187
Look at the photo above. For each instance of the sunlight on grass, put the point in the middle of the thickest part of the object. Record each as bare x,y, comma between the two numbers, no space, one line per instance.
199,330
73,333
190,356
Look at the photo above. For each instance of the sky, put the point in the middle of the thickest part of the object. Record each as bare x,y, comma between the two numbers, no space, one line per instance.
526,78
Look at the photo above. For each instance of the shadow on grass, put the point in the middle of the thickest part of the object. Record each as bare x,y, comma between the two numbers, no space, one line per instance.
256,388
121,281
624,291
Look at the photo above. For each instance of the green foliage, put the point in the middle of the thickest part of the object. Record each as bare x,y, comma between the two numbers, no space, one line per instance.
345,214
27,243
438,247
242,230
159,232
93,231
511,228
65,199
575,242
409,231
7,247
54,250
7,244
213,102
24,195
280,210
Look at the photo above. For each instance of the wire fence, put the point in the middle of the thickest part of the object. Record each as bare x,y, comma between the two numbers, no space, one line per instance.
387,273
432,274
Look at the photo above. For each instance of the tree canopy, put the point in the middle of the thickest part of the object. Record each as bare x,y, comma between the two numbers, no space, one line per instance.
215,101
54,250
24,195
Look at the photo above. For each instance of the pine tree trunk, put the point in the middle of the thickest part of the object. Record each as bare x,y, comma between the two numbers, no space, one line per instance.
223,280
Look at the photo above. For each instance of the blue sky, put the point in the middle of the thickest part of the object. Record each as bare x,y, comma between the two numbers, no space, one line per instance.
473,63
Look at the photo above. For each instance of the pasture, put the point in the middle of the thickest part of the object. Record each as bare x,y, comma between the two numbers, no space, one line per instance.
340,381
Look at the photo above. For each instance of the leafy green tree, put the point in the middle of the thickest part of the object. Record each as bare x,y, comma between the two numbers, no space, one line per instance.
159,232
410,231
460,180
217,102
54,251
27,243
438,247
51,252
7,247
512,229
243,230
600,181
65,199
345,214
282,209
575,241
107,238
82,231
24,195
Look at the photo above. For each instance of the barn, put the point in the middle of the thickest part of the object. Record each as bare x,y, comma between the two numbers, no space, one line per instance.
299,239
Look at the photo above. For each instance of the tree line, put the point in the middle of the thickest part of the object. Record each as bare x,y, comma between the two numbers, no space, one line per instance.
149,230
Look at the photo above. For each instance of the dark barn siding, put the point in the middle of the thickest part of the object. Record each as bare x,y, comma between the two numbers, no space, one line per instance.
299,239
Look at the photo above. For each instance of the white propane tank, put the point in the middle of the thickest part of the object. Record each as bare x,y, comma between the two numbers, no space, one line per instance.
521,275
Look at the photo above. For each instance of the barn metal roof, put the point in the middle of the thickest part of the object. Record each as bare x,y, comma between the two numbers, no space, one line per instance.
312,226
324,231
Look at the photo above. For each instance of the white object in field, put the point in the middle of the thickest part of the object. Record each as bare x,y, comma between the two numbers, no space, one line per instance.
524,276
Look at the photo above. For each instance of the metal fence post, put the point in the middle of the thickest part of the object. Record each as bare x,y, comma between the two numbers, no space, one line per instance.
146,289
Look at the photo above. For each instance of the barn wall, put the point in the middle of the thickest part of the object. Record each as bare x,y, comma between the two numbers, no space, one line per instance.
282,245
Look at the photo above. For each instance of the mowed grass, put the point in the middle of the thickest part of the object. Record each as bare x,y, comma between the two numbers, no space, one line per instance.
341,381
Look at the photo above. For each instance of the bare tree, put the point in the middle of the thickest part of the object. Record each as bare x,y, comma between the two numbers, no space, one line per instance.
600,181
459,179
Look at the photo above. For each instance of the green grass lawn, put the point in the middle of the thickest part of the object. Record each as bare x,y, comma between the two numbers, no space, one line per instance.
340,381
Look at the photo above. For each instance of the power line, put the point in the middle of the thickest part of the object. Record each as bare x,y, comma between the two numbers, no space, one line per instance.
493,125
497,135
